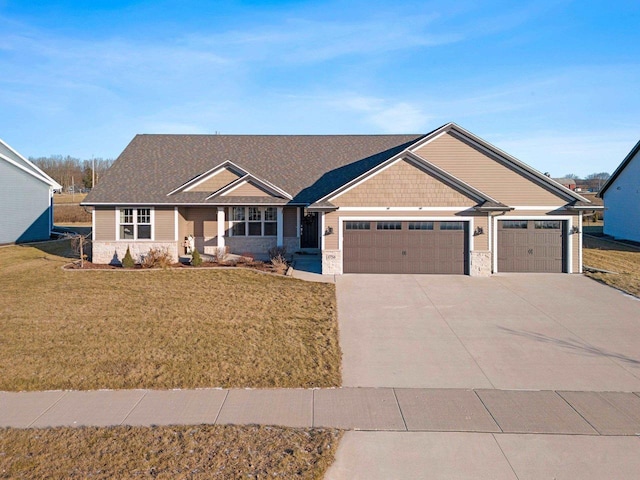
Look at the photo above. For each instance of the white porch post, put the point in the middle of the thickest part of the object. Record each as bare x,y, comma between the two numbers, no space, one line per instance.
280,219
221,225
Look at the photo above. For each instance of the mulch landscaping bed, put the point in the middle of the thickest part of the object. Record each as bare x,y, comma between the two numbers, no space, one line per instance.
259,266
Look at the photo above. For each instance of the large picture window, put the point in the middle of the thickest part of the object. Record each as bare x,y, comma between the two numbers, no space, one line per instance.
254,221
135,224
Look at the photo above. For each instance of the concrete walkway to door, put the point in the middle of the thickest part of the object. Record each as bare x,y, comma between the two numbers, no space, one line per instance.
508,331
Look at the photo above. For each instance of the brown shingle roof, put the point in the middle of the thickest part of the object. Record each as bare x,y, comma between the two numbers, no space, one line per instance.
305,166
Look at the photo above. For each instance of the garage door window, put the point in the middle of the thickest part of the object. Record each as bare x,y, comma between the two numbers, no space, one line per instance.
514,224
547,224
451,225
357,226
420,225
389,226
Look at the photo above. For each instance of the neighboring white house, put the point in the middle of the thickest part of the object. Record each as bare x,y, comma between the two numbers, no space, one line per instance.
621,195
26,199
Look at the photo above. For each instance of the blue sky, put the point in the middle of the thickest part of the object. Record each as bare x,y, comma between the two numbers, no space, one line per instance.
556,84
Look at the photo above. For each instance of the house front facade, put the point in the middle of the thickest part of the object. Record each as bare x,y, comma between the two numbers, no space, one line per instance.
26,199
445,202
621,196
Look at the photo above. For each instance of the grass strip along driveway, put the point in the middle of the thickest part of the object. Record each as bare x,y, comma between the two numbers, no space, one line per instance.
160,329
616,257
204,451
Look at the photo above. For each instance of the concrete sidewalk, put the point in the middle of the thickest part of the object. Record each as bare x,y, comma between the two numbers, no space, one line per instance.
371,409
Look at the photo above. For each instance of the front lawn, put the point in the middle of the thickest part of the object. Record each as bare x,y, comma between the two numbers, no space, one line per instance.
616,257
204,451
160,329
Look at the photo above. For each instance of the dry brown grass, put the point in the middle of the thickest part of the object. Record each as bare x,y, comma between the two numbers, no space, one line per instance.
204,451
62,198
615,257
65,214
160,328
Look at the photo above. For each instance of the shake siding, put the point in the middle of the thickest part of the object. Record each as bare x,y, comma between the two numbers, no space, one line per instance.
215,183
105,224
476,168
289,218
403,185
248,190
164,229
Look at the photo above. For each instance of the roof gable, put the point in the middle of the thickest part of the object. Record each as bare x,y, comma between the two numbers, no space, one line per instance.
627,160
488,168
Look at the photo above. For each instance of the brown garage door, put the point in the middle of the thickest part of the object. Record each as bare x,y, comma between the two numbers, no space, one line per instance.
531,246
405,247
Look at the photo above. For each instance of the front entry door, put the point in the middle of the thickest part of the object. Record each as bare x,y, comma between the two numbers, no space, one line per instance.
309,227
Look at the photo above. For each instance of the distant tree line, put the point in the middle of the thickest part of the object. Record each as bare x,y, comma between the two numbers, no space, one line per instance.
70,171
592,182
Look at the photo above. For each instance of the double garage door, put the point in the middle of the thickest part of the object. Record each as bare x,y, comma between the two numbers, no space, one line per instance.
405,247
532,246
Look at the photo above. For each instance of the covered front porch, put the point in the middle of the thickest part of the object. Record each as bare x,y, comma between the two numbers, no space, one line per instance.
240,229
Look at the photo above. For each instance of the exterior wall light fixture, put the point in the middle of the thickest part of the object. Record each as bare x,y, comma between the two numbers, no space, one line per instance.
328,231
478,231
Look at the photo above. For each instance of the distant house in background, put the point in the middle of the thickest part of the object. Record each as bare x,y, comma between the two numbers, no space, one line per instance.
26,199
569,183
621,195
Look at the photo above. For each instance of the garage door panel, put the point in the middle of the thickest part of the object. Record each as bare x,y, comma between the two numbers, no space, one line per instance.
405,251
523,246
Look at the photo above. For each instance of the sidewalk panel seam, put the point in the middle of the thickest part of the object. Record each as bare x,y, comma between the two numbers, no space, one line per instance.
134,407
64,394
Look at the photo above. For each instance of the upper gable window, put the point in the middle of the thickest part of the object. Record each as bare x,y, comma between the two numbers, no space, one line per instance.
254,221
134,224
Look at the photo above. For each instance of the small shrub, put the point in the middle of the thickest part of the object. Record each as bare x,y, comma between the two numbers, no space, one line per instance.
279,264
219,254
196,259
127,261
157,258
277,252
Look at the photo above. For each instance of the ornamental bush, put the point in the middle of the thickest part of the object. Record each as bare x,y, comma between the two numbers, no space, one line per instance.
196,259
127,261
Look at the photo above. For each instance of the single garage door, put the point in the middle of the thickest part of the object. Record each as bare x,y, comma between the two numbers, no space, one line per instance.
531,246
405,247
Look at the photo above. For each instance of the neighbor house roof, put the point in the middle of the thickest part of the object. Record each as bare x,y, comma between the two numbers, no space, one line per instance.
152,168
9,155
620,168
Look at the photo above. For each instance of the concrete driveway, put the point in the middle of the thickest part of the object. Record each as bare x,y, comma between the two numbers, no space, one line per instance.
509,331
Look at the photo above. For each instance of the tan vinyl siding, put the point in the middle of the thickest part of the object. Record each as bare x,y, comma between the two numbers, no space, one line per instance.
185,226
203,220
164,229
481,242
105,224
248,190
402,185
290,221
331,241
216,182
475,167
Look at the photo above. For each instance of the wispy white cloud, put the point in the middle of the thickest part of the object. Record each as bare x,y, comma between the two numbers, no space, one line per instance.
384,115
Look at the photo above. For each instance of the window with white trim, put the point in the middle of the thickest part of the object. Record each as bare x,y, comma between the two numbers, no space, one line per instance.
254,221
135,224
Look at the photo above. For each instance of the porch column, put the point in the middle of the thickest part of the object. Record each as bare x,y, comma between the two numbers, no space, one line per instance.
280,227
220,221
